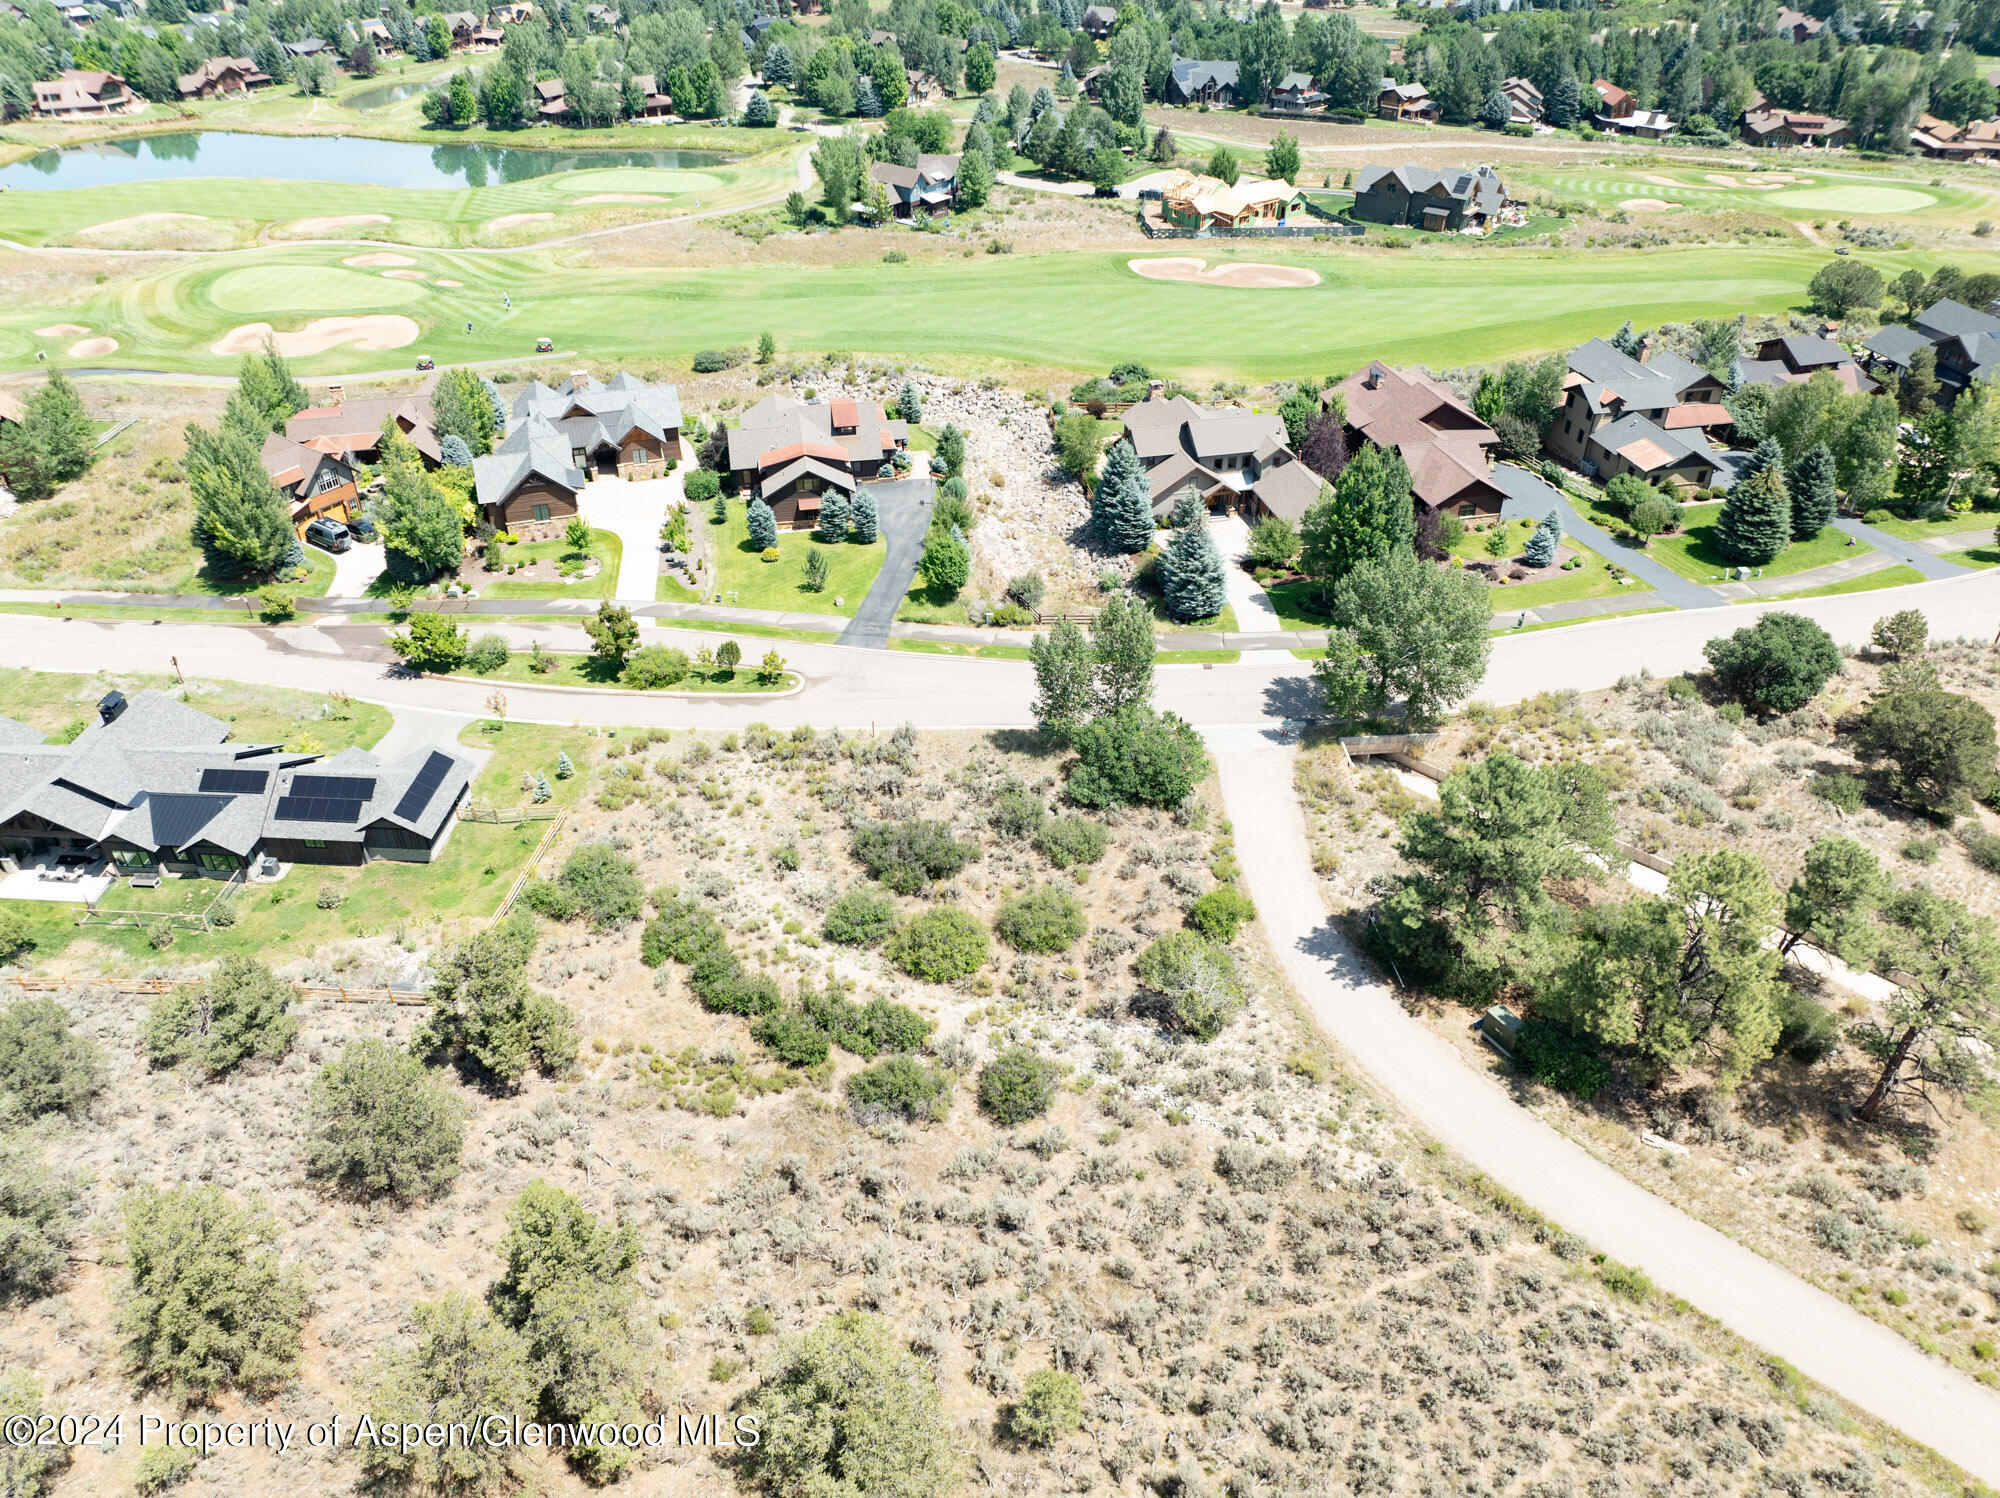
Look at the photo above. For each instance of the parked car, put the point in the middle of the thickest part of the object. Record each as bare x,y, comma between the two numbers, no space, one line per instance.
545,345
424,361
361,528
329,535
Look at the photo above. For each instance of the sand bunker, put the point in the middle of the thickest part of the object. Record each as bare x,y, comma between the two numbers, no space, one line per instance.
337,221
624,197
405,275
93,348
380,257
377,330
1646,205
1661,181
443,282
61,330
1248,274
136,220
510,220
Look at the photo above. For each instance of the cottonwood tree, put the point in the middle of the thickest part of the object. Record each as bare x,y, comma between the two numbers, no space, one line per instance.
1064,689
1121,638
383,1124
1940,1029
614,634
459,408
1372,511
466,1365
423,529
1426,632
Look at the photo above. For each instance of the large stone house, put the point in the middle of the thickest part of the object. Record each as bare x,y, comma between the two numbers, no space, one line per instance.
1425,423
1192,83
623,428
1229,459
1652,418
1189,200
1422,198
75,93
156,785
529,484
222,76
790,453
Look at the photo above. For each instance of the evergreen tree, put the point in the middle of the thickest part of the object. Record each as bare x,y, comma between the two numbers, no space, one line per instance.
757,110
1628,341
1191,569
975,178
1121,507
866,103
1813,498
1372,510
1766,454
1224,165
453,451
241,521
778,63
1542,542
50,445
910,403
1063,690
1565,104
1497,113
1281,158
1162,148
1756,522
864,522
833,517
265,380
763,526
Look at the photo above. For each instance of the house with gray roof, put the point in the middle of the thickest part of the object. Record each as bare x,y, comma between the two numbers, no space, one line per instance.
1228,458
1966,342
1650,417
616,428
790,453
1215,84
1797,358
157,785
927,190
528,484
1422,198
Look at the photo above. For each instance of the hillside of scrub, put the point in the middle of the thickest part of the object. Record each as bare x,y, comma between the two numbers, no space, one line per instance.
1261,1280
1901,1218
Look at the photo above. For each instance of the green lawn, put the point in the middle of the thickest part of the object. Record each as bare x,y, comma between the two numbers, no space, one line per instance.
1594,579
55,701
745,580
1948,525
945,647
671,589
1691,551
1975,556
604,545
584,671
1889,577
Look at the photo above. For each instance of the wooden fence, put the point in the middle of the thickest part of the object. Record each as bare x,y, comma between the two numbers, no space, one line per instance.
471,813
96,913
395,993
534,861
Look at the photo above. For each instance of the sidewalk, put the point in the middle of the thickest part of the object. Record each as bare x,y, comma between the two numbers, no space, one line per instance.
1910,552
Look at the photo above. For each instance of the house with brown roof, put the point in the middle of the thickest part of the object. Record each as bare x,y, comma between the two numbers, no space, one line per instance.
1424,422
1099,21
1524,100
318,481
510,13
352,429
656,103
549,102
1776,127
222,76
1650,418
1616,100
1796,27
1295,94
1941,138
75,93
1405,101
790,453
1228,458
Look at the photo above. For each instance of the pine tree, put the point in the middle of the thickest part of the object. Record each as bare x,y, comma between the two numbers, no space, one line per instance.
1565,106
1497,112
1191,569
1121,506
1756,522
763,526
757,109
1628,341
864,521
833,517
1542,542
51,444
1813,499
565,767
1767,454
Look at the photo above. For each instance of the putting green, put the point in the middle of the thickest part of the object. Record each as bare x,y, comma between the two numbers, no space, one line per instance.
1856,199
268,289
639,179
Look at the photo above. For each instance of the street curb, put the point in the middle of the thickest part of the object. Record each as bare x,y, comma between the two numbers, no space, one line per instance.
798,686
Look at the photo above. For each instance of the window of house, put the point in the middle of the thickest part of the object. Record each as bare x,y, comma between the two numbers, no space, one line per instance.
314,842
219,862
541,512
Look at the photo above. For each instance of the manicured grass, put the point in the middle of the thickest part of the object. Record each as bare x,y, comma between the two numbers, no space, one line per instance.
137,609
584,671
1691,551
1975,556
922,605
671,589
945,647
1528,629
1296,605
745,580
1198,657
1947,525
53,701
1888,577
1891,192
723,627
604,545
1593,579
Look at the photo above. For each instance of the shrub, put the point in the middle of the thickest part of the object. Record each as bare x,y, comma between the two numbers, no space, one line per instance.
714,360
1194,982
865,1029
1940,745
487,654
1777,664
848,1409
45,1066
1028,590
37,1228
28,1470
1560,1058
603,885
242,1011
382,1124
1135,757
792,1038
652,667
1653,515
1049,919
1218,914
1017,1085
860,918
1807,1029
483,1010
1068,842
465,1365
901,1087
1981,846
208,1306
14,936
1902,634
1018,813
908,855
940,946
702,486
1050,1407
1840,791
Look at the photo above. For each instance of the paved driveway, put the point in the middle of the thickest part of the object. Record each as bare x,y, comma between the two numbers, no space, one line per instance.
353,569
903,512
1528,495
633,510
1254,613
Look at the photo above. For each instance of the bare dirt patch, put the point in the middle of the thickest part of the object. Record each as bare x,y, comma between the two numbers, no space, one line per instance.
1247,275
110,226
378,330
61,330
92,348
379,257
621,197
336,221
515,220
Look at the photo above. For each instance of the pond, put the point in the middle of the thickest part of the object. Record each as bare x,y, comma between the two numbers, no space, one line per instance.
318,158
381,98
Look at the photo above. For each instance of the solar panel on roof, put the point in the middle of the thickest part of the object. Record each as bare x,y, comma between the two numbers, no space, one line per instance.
236,782
179,816
339,787
317,809
429,778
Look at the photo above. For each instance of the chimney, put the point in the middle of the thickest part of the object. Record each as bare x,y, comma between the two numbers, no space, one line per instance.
1373,379
112,706
335,394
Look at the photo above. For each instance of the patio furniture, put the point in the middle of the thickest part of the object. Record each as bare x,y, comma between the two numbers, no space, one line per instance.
146,881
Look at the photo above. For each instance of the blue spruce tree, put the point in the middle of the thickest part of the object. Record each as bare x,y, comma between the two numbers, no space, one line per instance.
1121,508
1191,569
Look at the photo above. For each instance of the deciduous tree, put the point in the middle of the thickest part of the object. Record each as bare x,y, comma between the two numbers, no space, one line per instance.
1426,631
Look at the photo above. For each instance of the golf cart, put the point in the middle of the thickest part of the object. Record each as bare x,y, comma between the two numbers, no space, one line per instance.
424,361
545,345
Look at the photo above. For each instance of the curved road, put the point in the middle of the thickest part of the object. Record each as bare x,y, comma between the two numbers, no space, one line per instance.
1863,1362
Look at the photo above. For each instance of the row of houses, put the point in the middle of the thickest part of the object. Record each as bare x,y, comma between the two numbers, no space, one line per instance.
157,785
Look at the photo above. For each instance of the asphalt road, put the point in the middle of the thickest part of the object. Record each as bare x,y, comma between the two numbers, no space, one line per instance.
1866,1363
